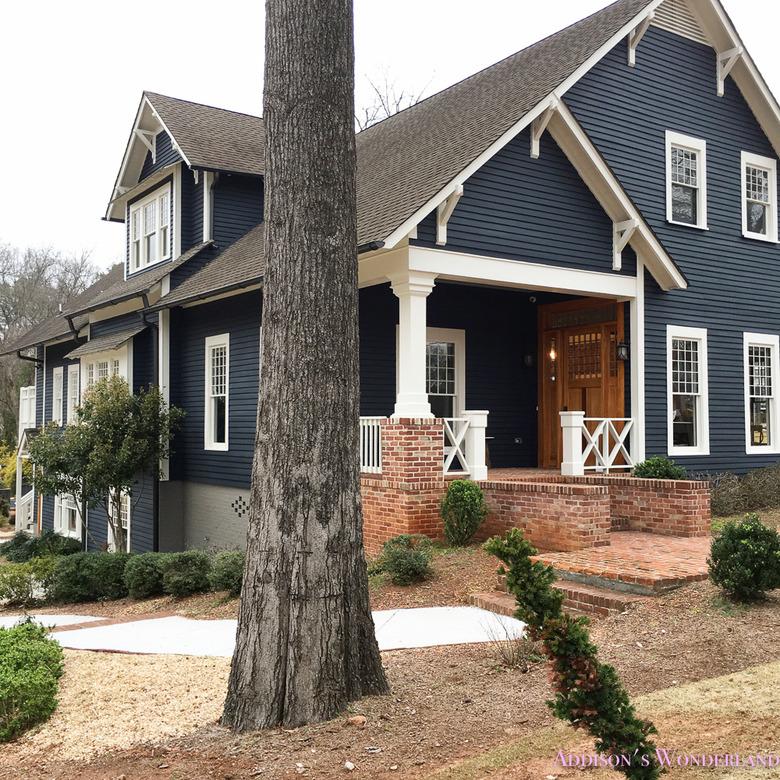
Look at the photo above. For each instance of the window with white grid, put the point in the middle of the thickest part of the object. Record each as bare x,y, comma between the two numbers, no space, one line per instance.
56,395
686,180
150,228
67,519
759,207
687,387
124,519
101,369
216,426
73,393
761,370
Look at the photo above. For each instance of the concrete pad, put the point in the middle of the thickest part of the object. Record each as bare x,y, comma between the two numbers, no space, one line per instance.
396,629
49,621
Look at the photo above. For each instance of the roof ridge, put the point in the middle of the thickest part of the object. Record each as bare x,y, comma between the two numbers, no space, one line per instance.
149,94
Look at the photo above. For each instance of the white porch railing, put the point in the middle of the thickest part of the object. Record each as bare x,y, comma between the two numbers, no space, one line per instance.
371,445
594,443
455,429
24,512
26,409
464,445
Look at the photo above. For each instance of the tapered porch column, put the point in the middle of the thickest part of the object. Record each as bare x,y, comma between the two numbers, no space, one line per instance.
412,290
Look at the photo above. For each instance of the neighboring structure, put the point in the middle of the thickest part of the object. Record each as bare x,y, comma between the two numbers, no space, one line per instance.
579,242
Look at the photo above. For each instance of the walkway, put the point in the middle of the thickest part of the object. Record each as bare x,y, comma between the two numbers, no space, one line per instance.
396,629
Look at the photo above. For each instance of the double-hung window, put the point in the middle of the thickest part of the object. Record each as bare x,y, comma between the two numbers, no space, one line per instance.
759,197
56,395
761,381
150,229
216,426
688,407
686,180
66,516
73,394
123,521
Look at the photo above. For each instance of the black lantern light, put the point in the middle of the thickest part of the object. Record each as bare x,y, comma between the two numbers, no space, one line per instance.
622,350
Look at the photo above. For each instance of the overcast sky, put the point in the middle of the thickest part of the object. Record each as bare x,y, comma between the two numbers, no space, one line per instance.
72,74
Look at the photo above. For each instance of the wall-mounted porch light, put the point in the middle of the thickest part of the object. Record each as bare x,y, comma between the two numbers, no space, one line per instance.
622,352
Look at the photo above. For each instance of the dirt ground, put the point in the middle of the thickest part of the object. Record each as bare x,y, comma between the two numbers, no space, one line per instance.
770,517
454,712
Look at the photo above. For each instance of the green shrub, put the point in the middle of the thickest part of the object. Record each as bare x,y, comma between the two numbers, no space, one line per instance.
30,666
659,468
22,547
89,577
227,571
745,559
144,575
407,559
186,573
25,583
463,509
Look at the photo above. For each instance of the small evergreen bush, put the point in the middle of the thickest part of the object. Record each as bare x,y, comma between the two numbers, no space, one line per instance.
144,575
186,573
22,547
25,583
227,571
463,509
89,576
659,468
30,667
745,559
406,559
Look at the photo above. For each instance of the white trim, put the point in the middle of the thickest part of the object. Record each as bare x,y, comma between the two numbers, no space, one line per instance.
222,339
57,389
208,205
403,230
124,356
110,536
637,323
703,414
725,62
73,398
699,146
456,336
163,368
636,35
772,341
770,164
444,212
139,207
62,503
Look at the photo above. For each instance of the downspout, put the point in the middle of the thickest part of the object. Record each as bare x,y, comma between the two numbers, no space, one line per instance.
156,381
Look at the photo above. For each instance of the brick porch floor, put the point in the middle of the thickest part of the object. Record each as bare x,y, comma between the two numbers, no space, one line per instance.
635,562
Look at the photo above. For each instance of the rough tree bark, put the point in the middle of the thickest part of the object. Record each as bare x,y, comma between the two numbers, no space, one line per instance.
305,642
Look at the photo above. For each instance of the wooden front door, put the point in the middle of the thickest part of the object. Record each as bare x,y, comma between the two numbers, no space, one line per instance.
578,367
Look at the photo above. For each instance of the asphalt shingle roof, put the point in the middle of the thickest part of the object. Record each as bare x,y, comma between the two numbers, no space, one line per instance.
107,342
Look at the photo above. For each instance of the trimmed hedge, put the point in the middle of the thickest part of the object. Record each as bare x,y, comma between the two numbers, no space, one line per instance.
25,583
463,509
659,468
144,575
227,571
186,573
30,667
89,576
22,547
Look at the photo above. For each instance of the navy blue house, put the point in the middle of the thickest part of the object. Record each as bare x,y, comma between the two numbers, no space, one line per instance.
578,242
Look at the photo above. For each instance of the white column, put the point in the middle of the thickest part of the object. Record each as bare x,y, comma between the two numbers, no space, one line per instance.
637,357
571,431
412,289
475,443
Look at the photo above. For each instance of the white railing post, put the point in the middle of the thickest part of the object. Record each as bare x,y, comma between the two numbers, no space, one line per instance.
455,430
573,464
475,443
371,445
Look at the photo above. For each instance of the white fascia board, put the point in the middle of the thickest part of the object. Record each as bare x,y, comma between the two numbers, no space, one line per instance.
496,271
518,127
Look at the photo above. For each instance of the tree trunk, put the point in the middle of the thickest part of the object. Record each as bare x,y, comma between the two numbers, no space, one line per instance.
305,645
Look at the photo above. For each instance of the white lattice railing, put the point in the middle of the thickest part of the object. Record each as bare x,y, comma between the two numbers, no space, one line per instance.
26,408
24,512
595,443
371,445
455,430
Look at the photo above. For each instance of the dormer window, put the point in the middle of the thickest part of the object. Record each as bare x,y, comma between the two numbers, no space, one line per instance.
150,229
686,180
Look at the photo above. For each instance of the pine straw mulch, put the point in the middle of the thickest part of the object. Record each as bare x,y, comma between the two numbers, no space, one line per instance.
450,707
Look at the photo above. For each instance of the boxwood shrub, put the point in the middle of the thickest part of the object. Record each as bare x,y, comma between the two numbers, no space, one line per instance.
144,575
463,509
227,571
89,576
659,468
22,547
30,667
186,573
406,559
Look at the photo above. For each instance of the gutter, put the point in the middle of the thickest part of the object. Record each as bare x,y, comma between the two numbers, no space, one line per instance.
28,358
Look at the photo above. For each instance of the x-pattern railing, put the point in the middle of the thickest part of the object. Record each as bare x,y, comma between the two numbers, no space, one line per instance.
455,445
598,443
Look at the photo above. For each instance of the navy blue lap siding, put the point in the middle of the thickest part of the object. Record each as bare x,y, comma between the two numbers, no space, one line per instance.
192,209
533,210
734,282
238,206
165,155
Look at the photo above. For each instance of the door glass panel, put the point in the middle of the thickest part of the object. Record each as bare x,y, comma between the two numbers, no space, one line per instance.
440,377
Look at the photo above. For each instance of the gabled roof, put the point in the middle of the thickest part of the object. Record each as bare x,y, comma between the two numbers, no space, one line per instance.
57,327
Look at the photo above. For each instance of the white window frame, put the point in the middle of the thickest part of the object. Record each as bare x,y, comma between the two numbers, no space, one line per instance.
57,394
73,394
770,164
127,505
140,261
699,146
223,339
773,342
703,409
62,503
122,358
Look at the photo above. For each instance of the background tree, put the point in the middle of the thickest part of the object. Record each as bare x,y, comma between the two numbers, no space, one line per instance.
34,283
305,644
117,436
388,99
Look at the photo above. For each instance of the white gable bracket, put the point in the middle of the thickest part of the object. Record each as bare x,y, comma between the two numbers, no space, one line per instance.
148,140
726,61
444,212
636,35
539,125
621,235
